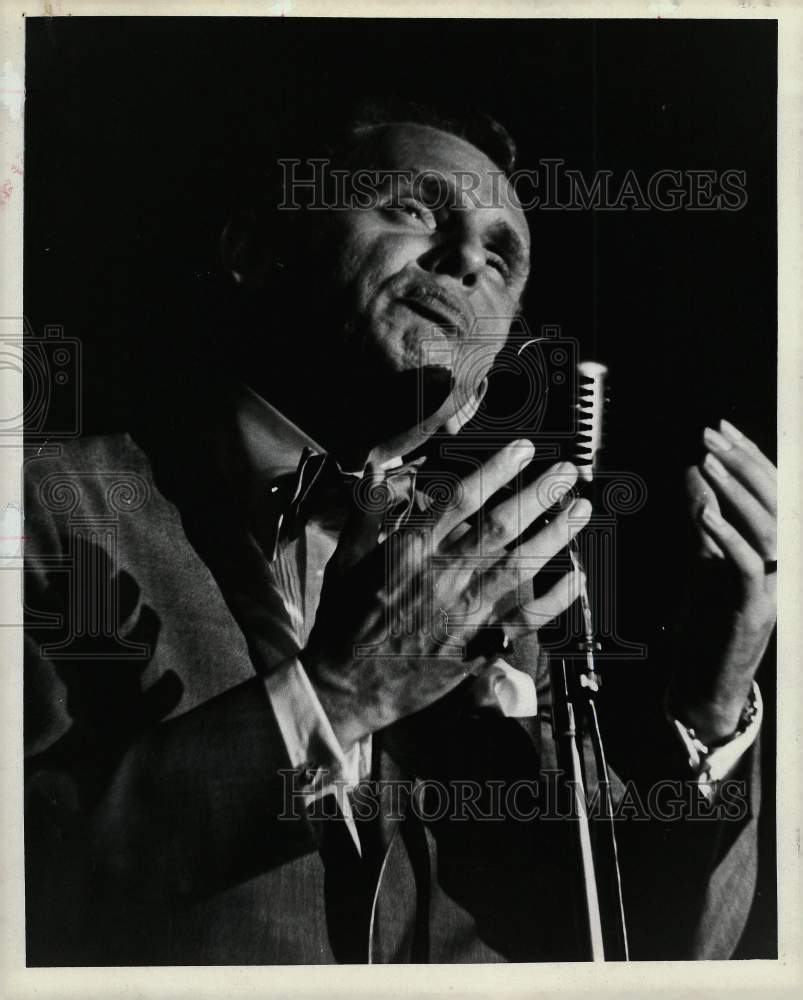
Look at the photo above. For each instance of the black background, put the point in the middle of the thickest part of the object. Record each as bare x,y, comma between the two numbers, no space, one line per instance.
138,130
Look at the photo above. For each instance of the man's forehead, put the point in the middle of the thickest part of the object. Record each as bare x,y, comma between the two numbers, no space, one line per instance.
424,151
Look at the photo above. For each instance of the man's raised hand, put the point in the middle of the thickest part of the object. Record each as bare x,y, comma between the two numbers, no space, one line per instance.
733,495
385,643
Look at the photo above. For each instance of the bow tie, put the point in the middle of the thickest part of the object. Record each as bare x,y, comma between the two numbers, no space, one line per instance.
320,491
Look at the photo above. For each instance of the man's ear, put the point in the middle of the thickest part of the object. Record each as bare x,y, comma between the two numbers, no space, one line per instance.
245,251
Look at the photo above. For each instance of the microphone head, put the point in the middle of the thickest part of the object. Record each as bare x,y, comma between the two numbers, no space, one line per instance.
591,387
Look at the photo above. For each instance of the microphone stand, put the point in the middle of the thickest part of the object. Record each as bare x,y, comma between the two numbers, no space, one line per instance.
574,714
564,729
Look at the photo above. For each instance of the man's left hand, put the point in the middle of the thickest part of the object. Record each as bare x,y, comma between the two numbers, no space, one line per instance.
733,497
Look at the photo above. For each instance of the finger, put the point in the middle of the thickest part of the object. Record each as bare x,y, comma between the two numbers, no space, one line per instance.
361,530
505,523
742,554
503,583
480,485
457,574
557,534
536,613
757,522
737,437
699,494
742,464
521,613
406,565
404,595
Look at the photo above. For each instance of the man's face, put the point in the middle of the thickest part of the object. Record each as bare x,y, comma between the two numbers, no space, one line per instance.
431,273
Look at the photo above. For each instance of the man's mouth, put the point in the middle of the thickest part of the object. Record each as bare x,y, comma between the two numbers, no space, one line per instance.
440,309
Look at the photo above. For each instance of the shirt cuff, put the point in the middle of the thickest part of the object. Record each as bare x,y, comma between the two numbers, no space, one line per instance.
713,766
311,743
507,689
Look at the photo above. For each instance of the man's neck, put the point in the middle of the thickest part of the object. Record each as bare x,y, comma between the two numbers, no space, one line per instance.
350,427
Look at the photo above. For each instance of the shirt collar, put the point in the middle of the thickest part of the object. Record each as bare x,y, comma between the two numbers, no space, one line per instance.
270,448
270,444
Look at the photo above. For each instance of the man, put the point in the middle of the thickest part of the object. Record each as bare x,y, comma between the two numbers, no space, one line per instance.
238,763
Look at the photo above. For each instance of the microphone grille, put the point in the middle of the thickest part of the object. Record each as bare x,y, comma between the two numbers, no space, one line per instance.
591,399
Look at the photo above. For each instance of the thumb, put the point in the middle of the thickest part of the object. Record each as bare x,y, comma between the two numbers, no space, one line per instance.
360,533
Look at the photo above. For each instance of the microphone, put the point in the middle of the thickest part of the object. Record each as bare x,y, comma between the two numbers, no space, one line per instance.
589,406
591,399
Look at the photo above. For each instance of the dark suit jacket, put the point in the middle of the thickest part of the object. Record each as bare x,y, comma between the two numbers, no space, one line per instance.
157,828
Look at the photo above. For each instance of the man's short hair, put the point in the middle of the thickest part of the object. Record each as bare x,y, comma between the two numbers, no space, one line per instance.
476,127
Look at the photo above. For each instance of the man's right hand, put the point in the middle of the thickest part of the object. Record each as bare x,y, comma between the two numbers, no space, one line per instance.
384,644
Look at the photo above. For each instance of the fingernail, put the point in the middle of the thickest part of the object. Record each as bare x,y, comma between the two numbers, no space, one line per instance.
523,448
580,508
712,516
557,469
715,467
716,441
731,433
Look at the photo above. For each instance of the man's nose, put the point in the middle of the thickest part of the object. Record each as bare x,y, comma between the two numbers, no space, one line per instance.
460,255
